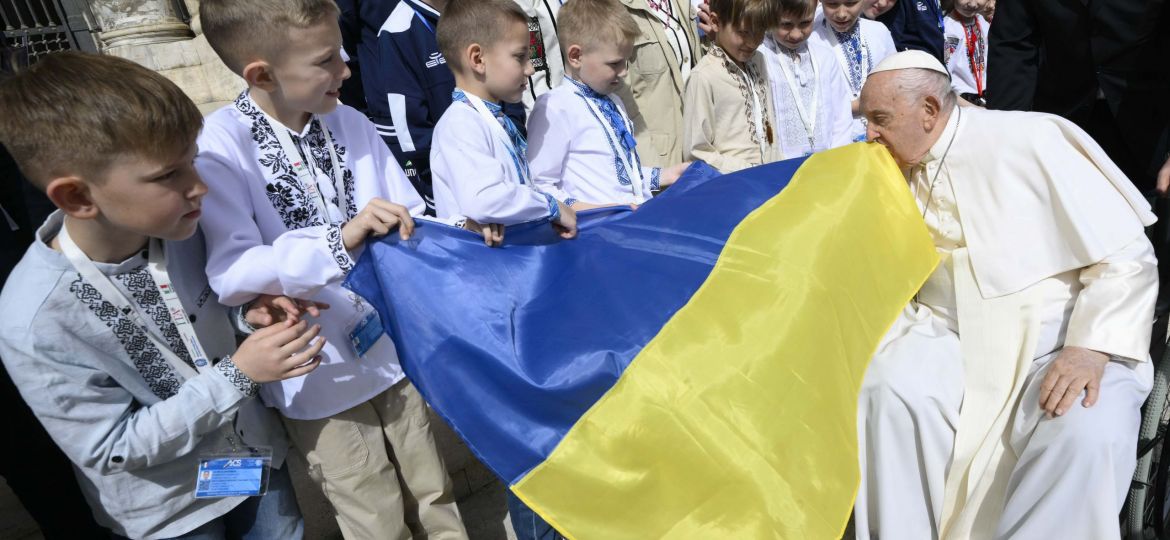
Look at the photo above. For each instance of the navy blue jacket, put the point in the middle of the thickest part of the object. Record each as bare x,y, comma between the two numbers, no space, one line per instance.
408,85
916,24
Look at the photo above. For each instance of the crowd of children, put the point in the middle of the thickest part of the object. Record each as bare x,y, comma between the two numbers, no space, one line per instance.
478,114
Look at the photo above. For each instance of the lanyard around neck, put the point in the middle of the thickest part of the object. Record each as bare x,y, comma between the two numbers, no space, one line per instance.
807,117
157,263
757,108
976,53
861,58
629,160
501,134
309,181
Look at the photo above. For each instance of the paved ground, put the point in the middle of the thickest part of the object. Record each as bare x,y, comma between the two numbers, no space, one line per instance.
480,496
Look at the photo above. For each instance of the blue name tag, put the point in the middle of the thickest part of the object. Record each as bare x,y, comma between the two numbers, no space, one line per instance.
366,334
232,477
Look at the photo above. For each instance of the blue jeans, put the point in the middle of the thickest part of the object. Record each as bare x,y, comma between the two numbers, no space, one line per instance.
527,524
274,516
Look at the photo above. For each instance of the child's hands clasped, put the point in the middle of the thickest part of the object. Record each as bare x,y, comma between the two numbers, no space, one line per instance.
378,218
268,309
281,351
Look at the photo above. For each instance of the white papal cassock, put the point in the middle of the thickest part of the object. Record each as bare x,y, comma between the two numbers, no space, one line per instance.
1042,247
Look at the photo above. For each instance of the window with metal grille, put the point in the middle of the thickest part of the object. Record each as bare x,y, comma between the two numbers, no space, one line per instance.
38,27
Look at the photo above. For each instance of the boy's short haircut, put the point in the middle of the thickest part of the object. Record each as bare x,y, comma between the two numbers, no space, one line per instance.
465,22
590,23
73,113
798,8
241,31
753,16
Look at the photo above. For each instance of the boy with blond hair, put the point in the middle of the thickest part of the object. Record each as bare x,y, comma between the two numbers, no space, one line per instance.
479,158
583,149
109,328
728,112
298,183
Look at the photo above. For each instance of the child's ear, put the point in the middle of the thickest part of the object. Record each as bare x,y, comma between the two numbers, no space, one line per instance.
473,58
258,74
72,195
574,56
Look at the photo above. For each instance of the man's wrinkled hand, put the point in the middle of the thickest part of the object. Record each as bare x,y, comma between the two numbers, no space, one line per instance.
1075,370
268,309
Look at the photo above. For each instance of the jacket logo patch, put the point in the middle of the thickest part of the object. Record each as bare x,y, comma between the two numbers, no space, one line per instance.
436,59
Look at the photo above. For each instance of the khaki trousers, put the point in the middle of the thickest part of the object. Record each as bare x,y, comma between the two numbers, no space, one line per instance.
378,465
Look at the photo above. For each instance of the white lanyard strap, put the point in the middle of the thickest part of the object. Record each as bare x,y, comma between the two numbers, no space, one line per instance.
846,62
500,134
158,270
757,112
308,180
628,160
807,117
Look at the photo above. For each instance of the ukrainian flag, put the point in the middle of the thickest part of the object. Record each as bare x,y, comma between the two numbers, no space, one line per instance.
686,370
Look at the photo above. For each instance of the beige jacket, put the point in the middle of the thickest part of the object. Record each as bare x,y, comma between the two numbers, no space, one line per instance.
653,89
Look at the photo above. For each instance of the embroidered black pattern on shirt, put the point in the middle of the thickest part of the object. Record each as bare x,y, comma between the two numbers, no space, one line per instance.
141,286
340,255
228,369
147,359
321,159
284,190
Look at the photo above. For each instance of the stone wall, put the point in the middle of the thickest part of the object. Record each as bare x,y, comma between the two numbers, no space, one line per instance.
150,33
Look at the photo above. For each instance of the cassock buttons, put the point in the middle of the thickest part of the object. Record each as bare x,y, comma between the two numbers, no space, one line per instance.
117,459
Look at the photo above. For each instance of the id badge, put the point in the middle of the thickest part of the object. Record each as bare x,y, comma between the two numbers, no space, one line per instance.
234,474
367,332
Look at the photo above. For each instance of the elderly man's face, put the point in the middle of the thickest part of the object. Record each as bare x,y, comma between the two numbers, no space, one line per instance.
902,122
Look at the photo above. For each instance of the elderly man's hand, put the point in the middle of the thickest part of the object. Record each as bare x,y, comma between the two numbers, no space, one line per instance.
1075,370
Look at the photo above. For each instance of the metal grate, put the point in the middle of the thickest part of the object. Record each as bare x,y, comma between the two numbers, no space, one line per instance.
39,27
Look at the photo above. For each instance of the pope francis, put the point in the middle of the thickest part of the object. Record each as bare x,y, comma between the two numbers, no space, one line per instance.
1005,400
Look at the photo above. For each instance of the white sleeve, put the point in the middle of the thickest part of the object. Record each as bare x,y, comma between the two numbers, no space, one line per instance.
839,102
239,263
883,43
463,162
548,148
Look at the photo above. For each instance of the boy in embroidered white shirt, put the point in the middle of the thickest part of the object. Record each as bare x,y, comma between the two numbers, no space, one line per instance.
479,161
810,95
582,148
289,168
858,44
965,49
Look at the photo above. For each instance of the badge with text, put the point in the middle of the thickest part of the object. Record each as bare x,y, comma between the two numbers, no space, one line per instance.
366,333
234,474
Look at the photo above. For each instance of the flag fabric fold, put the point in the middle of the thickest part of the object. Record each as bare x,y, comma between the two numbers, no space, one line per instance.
686,370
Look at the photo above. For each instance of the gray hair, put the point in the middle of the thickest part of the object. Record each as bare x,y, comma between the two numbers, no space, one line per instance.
916,83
